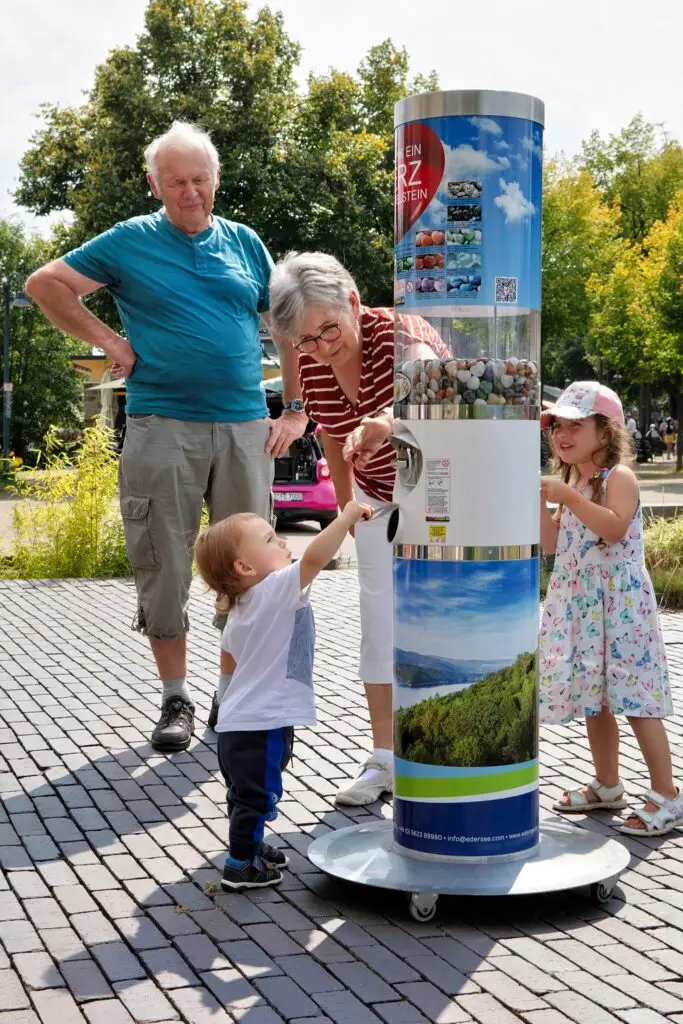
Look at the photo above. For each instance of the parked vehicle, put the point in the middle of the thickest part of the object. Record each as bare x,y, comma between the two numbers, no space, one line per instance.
302,487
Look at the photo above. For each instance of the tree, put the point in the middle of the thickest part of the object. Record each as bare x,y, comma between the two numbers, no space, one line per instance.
580,237
639,171
305,171
47,389
666,246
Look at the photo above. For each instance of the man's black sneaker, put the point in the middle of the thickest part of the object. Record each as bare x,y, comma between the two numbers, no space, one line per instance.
273,856
256,875
212,720
175,727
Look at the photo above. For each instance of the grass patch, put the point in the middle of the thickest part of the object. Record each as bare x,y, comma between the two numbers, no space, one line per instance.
663,558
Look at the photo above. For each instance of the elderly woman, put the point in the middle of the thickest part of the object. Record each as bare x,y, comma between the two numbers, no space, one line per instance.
346,369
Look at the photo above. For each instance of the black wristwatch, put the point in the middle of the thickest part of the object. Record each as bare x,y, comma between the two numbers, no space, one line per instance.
296,405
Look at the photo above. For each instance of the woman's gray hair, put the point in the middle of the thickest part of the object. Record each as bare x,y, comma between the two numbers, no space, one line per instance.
185,136
305,279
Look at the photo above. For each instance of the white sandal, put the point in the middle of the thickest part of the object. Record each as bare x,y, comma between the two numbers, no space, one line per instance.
610,798
668,816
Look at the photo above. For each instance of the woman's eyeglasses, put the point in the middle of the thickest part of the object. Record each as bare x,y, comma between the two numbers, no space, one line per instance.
329,333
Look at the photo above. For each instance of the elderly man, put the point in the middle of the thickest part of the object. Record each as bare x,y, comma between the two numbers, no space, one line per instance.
189,288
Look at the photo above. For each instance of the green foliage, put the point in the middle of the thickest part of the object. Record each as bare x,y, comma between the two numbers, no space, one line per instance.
69,523
580,238
664,560
47,388
491,722
638,172
311,171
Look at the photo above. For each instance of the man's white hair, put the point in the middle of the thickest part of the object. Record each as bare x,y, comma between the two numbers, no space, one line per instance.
185,136
305,279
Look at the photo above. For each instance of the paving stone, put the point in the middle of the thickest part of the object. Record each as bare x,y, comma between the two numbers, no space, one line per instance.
28,884
116,903
85,980
232,991
272,939
217,925
75,899
94,928
249,958
140,933
507,990
10,908
580,1009
172,922
202,954
19,1017
37,970
198,1006
117,961
399,1013
56,1004
168,968
484,1008
109,1011
343,1007
144,1001
45,913
12,995
19,936
57,872
64,944
307,973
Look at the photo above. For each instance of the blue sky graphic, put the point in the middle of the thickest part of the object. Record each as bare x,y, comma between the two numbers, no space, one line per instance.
505,154
466,611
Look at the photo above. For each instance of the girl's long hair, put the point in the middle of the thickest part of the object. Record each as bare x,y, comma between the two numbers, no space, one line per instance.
216,551
617,448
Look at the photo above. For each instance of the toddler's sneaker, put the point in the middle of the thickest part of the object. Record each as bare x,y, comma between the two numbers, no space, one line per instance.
274,856
244,875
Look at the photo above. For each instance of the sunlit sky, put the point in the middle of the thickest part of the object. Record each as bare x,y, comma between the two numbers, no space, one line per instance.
595,63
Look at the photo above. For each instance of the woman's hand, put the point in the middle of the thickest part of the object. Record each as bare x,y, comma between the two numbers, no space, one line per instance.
554,491
366,440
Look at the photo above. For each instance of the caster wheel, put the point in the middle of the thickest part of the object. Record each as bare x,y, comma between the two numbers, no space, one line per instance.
422,907
601,892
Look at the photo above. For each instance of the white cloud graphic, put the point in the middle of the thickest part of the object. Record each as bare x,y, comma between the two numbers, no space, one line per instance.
485,124
513,202
533,146
501,144
465,162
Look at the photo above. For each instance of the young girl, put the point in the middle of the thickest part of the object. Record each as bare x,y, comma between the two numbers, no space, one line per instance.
266,683
601,649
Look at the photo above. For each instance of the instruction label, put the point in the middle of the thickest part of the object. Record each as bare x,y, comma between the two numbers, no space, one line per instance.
437,534
438,509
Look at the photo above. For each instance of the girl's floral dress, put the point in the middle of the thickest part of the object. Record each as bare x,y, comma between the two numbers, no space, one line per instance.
600,640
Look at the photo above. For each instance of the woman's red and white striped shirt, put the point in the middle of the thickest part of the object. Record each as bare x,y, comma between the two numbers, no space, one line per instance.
327,404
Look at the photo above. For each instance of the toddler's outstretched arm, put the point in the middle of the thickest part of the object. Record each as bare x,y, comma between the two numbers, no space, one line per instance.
326,545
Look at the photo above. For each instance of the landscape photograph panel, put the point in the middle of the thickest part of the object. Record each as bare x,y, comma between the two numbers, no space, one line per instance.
465,661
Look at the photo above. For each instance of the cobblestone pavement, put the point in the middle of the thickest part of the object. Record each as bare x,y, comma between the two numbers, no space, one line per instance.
107,848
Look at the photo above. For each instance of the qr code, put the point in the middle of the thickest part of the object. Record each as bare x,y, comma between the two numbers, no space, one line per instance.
506,289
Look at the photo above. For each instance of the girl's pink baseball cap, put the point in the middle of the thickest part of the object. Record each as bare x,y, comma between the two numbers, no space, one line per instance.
585,398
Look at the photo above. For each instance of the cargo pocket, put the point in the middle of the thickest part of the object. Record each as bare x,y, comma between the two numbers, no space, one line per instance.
135,515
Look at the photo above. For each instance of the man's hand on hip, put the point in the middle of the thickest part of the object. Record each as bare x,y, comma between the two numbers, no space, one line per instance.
124,362
284,430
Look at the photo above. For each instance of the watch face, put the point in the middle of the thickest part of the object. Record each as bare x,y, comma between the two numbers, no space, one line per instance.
296,405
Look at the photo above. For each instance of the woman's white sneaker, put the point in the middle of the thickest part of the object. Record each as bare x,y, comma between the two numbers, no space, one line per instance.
374,778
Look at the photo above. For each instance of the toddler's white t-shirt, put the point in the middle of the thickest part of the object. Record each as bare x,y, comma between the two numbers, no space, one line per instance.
271,635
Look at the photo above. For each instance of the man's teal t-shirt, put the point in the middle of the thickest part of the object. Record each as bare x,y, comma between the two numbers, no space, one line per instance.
189,307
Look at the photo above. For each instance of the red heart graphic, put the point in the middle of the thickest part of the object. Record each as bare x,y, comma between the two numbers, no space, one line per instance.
420,161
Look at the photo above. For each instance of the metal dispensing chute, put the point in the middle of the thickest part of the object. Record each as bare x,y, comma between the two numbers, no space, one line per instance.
465,527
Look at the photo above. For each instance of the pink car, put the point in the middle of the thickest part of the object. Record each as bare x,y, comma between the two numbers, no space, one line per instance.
302,487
